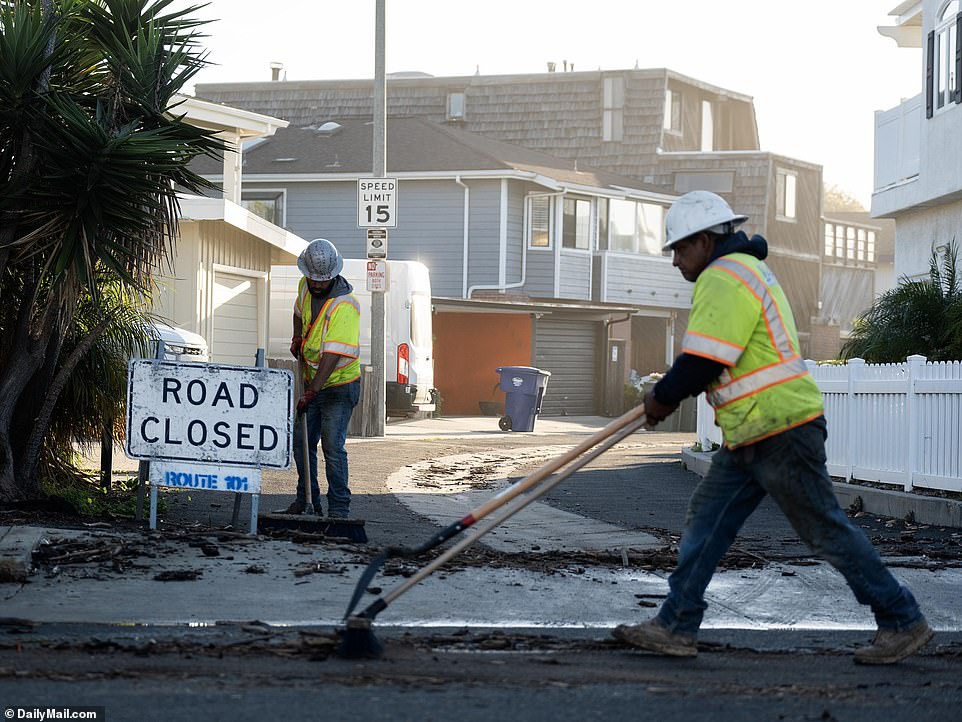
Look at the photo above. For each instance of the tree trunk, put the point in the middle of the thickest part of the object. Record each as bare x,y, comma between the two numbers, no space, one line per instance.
15,376
34,445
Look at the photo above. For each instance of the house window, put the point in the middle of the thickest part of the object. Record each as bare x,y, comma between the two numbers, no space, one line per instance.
672,111
829,239
613,108
269,205
850,243
943,81
944,65
785,182
540,221
650,228
636,227
576,230
861,244
839,241
456,105
870,249
707,127
602,224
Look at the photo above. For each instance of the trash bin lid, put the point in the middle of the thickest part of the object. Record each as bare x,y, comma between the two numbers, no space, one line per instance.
522,371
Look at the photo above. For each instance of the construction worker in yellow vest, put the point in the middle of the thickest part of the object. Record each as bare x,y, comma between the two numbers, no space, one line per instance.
741,347
326,333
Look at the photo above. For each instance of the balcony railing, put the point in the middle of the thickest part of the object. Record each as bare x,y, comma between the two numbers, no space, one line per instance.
897,143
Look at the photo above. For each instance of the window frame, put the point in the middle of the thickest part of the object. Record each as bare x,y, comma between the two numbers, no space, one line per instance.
529,224
266,194
451,116
707,127
588,219
671,123
613,109
783,179
639,246
944,60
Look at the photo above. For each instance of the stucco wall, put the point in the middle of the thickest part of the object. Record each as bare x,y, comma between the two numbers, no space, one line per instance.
918,232
468,347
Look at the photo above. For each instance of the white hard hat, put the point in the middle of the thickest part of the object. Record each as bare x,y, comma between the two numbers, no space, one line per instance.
698,211
320,261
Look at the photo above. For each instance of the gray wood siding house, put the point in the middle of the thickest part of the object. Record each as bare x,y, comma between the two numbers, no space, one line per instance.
664,130
491,221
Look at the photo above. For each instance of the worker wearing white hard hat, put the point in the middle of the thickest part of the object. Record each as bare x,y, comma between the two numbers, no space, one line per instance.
741,347
326,339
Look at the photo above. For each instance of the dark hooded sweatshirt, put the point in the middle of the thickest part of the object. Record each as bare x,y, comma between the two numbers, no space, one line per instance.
690,374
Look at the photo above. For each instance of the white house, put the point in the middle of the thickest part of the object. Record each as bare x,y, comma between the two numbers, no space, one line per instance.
918,144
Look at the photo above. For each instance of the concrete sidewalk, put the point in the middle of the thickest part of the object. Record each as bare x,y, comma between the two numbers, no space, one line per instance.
890,502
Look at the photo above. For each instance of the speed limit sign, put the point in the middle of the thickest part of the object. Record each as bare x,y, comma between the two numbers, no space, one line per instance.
377,202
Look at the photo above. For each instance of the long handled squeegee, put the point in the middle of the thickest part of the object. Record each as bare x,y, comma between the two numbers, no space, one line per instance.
359,640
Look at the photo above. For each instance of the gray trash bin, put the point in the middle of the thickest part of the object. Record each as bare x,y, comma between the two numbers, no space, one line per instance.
524,388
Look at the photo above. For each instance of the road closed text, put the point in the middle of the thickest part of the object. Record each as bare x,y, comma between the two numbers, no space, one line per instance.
209,413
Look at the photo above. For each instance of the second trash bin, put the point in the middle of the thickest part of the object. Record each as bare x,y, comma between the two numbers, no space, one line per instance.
524,388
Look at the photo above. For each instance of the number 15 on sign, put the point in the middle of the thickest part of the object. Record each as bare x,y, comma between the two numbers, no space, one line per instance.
377,202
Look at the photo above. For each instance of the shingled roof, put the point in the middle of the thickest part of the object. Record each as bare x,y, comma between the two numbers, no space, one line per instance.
414,145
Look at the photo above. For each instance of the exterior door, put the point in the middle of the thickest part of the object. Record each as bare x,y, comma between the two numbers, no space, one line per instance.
568,349
615,378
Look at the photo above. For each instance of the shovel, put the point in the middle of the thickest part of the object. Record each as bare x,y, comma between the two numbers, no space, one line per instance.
359,640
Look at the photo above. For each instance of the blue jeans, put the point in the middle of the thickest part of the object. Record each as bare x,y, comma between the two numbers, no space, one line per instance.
328,416
791,468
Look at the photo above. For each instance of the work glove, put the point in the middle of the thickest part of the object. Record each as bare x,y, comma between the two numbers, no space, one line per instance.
305,400
655,411
296,346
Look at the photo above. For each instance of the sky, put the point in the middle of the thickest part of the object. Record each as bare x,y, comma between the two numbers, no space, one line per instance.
817,70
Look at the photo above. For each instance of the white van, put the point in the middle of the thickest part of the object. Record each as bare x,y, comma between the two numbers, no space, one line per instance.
408,340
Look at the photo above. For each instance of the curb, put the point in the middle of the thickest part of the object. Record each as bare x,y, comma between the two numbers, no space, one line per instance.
931,510
16,552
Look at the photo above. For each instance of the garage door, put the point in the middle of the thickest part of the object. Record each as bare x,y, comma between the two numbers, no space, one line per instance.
567,349
235,320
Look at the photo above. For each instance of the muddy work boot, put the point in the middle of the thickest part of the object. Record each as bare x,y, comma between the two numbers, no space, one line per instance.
297,507
891,646
653,637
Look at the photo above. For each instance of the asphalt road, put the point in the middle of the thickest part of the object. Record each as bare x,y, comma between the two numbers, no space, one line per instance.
254,671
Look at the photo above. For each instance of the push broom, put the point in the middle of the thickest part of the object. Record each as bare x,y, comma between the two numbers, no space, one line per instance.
358,639
308,521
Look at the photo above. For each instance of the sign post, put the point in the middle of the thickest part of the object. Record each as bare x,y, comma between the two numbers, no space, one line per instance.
377,208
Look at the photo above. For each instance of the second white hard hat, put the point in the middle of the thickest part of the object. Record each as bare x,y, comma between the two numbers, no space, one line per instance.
320,261
699,211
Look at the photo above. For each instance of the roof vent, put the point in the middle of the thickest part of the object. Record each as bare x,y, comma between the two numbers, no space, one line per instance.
328,128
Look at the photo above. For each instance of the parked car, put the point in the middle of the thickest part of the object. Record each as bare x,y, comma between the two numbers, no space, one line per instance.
180,344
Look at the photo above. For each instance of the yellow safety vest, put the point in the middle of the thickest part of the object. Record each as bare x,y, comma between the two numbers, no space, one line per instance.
336,330
740,317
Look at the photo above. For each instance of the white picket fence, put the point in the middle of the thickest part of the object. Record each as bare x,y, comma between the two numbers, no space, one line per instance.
893,423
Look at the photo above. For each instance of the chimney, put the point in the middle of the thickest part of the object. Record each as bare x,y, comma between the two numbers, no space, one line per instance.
276,69
565,65
551,67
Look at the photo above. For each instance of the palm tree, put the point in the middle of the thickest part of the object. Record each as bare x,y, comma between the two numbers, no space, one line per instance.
916,317
91,154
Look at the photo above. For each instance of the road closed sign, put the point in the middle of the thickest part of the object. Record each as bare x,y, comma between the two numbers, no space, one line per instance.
231,415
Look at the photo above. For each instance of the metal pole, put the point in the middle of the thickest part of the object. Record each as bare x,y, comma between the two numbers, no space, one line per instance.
379,171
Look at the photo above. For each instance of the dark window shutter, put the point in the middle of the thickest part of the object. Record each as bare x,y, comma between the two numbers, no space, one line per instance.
958,59
929,74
